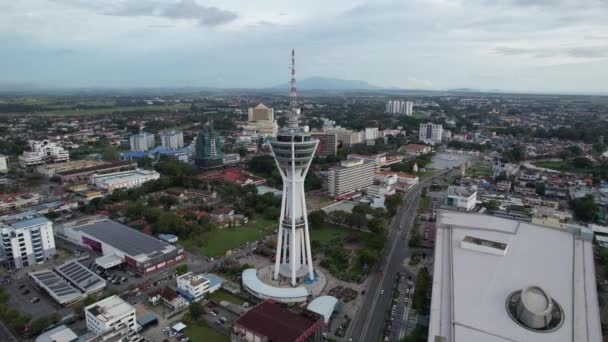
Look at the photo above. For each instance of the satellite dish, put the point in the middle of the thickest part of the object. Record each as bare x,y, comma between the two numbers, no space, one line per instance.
298,111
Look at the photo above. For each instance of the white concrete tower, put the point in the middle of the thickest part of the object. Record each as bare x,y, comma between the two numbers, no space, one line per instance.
293,150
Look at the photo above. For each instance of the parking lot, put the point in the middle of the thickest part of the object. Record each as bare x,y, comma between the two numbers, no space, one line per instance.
26,296
397,324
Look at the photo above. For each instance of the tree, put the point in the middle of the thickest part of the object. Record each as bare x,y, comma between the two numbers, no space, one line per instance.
181,269
540,188
585,208
109,154
491,205
196,310
515,154
582,163
420,301
312,182
575,150
392,202
316,219
376,225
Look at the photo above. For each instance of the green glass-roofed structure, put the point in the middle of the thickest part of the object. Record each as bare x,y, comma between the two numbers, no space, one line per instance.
208,149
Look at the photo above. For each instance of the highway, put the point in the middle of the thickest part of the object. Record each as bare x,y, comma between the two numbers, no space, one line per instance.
368,324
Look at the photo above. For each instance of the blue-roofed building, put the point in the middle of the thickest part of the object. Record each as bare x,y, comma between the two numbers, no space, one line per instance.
215,282
168,238
27,239
182,154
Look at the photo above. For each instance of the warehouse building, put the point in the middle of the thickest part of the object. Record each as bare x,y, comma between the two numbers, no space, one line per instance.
56,287
125,179
119,244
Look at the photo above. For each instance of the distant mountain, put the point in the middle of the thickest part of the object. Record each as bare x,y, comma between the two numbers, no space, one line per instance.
323,83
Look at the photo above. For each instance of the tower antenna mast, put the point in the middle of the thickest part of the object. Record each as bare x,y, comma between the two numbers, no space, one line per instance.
294,96
294,111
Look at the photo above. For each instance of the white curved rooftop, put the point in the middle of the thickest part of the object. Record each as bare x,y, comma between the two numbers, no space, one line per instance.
323,305
253,283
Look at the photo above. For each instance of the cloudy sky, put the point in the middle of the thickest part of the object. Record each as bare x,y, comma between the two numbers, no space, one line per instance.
522,45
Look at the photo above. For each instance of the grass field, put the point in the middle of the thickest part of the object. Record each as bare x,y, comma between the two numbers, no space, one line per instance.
559,165
109,110
225,239
203,333
315,202
479,170
329,233
220,295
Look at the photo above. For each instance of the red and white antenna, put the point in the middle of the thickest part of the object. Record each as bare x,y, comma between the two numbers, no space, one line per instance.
294,111
294,97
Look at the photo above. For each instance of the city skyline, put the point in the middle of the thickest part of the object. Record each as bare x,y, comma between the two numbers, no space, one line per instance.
538,46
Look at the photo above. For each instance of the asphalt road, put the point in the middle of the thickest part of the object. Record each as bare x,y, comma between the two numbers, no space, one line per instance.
368,324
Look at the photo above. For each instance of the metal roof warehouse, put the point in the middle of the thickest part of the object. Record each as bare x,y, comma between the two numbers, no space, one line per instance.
141,252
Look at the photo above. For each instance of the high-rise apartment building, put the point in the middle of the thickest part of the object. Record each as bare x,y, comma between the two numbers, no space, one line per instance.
371,132
142,141
172,139
27,239
430,133
346,137
43,152
260,113
328,143
208,149
350,176
399,107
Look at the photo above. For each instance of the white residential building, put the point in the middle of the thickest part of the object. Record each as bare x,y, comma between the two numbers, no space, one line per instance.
371,133
498,280
27,239
463,198
192,286
430,133
124,179
380,190
142,141
399,107
108,313
350,176
42,152
231,158
345,136
508,169
3,163
172,140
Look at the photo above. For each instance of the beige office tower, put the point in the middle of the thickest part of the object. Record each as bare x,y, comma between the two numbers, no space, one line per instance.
261,113
350,176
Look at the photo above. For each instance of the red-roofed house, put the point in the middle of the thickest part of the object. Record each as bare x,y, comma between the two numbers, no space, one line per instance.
235,175
273,321
416,148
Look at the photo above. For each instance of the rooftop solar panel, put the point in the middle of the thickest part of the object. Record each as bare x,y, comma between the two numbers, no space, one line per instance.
80,276
55,286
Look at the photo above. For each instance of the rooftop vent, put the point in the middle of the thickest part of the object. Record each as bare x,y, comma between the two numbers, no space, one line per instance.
533,309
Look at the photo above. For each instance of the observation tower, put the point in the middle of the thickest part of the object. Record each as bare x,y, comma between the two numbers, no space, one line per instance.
293,150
